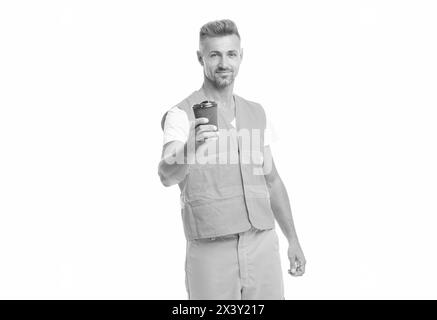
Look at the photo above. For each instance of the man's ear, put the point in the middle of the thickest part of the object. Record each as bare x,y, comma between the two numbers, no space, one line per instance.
241,54
199,57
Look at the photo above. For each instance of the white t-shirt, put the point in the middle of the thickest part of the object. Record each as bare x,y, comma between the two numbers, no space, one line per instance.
177,125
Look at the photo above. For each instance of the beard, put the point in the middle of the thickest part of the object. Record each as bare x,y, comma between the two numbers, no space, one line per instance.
222,81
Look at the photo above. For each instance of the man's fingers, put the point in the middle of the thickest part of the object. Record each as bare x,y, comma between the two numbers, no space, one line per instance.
206,127
205,135
300,268
200,121
297,266
296,272
292,269
197,122
298,261
299,272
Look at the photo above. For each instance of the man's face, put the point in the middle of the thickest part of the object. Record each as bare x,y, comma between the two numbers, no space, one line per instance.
220,58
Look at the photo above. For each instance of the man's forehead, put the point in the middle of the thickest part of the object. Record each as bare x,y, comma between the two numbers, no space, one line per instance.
223,43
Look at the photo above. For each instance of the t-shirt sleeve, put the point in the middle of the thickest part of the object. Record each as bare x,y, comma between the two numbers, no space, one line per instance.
176,126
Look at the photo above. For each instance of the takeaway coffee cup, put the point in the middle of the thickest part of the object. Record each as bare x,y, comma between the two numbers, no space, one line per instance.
206,109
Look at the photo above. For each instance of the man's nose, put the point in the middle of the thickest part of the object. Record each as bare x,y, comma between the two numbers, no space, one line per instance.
223,63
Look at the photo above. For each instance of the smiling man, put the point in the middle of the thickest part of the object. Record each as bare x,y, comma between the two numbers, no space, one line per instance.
228,208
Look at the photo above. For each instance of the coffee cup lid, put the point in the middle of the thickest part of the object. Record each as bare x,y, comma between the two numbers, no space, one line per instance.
205,104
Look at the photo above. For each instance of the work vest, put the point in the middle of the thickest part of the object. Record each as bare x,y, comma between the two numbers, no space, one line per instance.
228,196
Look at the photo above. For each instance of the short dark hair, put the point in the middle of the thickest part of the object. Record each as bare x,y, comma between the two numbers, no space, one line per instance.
218,28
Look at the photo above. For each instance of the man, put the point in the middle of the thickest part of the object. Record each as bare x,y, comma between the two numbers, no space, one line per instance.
228,207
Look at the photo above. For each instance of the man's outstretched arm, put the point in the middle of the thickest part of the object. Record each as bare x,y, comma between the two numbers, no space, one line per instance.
170,170
176,155
281,208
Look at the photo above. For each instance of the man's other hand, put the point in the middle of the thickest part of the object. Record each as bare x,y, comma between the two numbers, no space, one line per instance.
297,259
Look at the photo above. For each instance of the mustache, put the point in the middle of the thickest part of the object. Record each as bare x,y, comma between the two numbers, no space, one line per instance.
224,70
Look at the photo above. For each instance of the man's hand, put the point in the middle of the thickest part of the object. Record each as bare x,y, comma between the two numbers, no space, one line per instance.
199,134
297,259
202,131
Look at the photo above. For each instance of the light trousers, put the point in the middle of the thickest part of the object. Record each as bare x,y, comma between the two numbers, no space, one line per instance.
243,266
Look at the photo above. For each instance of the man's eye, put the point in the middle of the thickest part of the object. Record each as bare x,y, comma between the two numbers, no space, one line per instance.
213,54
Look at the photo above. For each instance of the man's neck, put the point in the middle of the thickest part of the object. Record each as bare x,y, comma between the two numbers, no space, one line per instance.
223,96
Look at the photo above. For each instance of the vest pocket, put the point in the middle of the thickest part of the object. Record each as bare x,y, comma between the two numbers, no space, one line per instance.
209,182
224,217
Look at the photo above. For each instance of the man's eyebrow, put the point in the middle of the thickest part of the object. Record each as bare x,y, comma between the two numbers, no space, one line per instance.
216,51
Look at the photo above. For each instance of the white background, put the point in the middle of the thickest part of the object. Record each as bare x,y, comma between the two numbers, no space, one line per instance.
349,85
